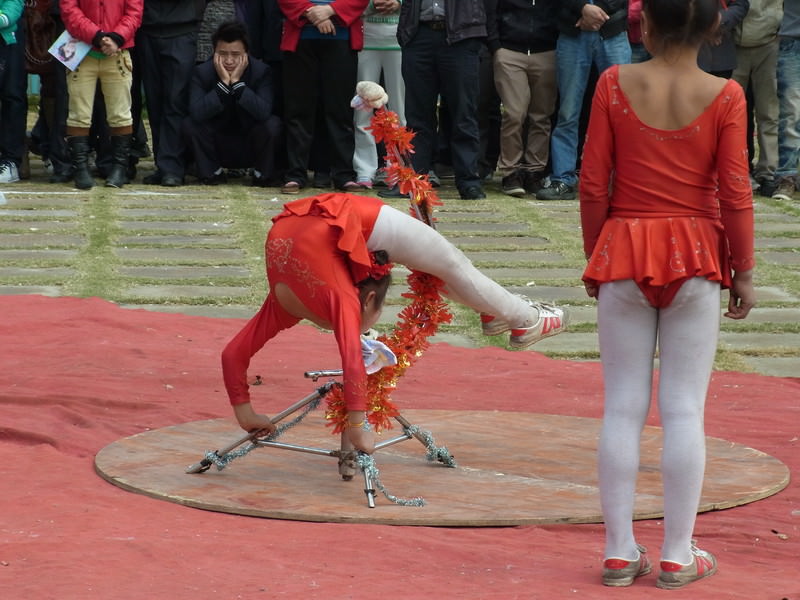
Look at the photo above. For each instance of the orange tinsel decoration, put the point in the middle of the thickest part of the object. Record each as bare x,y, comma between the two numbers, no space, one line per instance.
427,310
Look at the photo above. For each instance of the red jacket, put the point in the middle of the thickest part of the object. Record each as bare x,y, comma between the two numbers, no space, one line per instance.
348,11
84,18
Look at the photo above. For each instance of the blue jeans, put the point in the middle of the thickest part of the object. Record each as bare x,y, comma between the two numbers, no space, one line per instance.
574,58
789,99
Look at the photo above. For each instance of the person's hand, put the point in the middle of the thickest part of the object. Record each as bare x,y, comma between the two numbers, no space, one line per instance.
222,72
238,70
327,27
319,13
592,18
362,439
386,6
108,46
742,295
591,289
252,422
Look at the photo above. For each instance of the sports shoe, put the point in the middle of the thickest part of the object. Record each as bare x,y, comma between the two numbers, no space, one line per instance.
512,185
8,172
552,320
557,190
472,192
618,572
533,181
767,187
785,189
675,575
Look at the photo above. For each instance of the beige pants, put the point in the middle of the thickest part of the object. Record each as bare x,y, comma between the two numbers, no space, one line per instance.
526,84
115,74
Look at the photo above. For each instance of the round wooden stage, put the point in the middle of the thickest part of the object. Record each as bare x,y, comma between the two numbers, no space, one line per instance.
512,469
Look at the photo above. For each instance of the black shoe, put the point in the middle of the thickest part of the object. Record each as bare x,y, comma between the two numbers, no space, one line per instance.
170,180
767,187
472,192
512,185
392,192
532,181
261,181
215,179
557,190
321,180
152,179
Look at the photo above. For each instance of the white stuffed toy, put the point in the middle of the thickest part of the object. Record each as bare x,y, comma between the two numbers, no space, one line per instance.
369,96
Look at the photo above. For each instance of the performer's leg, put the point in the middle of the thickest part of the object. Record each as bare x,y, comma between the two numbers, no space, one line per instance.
688,332
627,325
412,243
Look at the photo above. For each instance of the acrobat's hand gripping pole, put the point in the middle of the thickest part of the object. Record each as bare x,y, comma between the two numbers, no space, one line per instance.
320,392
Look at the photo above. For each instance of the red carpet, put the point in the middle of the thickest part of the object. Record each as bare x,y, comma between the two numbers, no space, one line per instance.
78,374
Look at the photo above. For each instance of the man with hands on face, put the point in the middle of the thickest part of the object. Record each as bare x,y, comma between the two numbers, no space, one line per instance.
230,122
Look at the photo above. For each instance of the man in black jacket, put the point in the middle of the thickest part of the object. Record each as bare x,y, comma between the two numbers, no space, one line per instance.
230,122
166,49
589,33
441,42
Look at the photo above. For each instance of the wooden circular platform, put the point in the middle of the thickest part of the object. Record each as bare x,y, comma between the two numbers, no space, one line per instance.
513,469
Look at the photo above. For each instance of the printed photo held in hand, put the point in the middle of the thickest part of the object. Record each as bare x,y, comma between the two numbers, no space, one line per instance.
329,260
69,50
667,218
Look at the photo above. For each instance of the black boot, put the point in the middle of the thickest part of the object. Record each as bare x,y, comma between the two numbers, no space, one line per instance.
79,153
120,149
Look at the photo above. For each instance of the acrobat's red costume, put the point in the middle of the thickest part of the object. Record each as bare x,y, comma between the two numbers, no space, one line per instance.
319,247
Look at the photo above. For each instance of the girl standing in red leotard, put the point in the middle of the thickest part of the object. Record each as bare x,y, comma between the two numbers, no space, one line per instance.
667,215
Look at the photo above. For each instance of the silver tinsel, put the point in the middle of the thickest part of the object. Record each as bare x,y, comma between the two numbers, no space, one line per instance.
435,453
223,461
367,464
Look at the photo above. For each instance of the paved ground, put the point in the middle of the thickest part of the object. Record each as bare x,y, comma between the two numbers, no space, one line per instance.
199,250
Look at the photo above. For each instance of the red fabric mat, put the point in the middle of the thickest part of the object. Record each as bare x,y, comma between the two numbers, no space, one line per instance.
78,374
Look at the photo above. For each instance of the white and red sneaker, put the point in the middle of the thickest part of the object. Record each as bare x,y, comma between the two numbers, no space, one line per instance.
552,320
675,575
618,572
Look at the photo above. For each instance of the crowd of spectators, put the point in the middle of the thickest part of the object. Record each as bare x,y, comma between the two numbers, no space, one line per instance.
262,87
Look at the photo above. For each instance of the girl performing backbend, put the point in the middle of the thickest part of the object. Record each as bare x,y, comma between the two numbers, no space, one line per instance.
325,263
667,215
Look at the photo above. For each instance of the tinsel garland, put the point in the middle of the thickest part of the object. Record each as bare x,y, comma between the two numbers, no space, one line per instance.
421,318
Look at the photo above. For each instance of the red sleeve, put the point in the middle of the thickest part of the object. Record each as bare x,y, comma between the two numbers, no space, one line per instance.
130,21
346,321
77,23
596,167
735,193
293,10
236,356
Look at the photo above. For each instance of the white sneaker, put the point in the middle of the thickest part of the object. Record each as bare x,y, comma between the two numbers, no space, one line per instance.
552,320
8,172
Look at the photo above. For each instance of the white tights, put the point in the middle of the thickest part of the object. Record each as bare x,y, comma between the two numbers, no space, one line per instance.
687,332
414,244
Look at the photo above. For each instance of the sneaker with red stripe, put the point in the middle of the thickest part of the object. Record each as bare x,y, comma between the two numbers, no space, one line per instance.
552,320
675,575
618,572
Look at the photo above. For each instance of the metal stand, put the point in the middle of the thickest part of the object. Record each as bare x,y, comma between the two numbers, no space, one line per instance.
346,454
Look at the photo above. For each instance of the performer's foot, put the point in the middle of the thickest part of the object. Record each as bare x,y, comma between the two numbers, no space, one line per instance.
618,572
675,575
551,321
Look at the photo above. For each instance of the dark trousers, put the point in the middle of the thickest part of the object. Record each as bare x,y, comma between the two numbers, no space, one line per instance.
320,74
13,98
214,144
432,67
166,65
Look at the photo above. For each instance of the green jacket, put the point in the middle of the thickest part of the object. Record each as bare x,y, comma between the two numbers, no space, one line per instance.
10,13
760,25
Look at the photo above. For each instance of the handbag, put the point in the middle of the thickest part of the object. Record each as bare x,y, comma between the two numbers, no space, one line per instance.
40,31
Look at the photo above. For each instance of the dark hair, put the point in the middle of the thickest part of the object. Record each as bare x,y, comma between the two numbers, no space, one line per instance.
681,22
379,286
231,31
